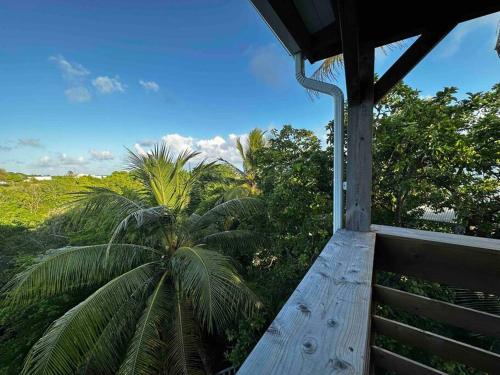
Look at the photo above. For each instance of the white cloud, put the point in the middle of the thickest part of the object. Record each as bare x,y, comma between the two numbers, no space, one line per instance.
212,149
270,65
108,85
138,148
29,142
101,155
150,85
78,94
178,143
75,76
454,40
71,71
59,160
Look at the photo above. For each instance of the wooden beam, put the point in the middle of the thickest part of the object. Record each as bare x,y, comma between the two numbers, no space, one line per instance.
323,327
290,16
458,316
460,261
359,70
409,59
400,365
439,345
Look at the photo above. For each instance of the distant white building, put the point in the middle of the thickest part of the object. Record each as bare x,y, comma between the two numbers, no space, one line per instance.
41,178
4,183
99,176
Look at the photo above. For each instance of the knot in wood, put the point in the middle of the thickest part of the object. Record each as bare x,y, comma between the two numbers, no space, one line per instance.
309,345
339,364
302,307
272,330
331,323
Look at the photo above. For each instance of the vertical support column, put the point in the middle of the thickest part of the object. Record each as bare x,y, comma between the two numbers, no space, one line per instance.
359,59
359,145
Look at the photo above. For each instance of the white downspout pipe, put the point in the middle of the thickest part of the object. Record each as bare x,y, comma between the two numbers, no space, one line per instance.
338,130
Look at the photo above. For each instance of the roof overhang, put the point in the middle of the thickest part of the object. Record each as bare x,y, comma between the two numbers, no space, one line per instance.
311,26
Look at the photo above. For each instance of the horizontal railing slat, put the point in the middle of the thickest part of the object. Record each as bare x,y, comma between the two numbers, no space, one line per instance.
437,344
458,316
461,261
400,365
324,325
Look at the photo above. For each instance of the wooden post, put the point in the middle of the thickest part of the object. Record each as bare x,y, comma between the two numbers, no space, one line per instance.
359,71
359,146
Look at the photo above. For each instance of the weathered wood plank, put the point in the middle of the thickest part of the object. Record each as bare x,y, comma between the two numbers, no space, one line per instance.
439,345
461,261
359,73
399,364
323,327
458,316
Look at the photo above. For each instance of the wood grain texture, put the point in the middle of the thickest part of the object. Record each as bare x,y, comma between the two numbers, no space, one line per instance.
400,365
458,316
323,327
460,261
438,345
359,60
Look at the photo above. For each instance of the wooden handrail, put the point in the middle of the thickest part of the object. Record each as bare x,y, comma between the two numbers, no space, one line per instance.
324,326
445,347
461,261
399,364
458,316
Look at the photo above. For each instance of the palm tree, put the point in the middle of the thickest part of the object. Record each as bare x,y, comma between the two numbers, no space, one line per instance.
247,183
331,66
161,281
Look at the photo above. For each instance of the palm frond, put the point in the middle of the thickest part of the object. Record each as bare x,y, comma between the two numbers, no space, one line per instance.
71,268
210,281
184,340
106,354
233,240
97,199
146,345
63,348
164,176
159,215
331,66
239,208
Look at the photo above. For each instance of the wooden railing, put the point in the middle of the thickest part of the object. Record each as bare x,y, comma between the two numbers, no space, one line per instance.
458,261
330,322
324,326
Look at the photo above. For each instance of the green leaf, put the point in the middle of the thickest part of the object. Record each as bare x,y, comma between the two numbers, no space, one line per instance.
239,208
71,268
143,354
67,341
183,341
209,280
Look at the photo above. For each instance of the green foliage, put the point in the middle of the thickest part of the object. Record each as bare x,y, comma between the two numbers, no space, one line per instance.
208,289
438,152
182,226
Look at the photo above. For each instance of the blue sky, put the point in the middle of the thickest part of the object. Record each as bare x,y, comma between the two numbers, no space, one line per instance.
81,80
